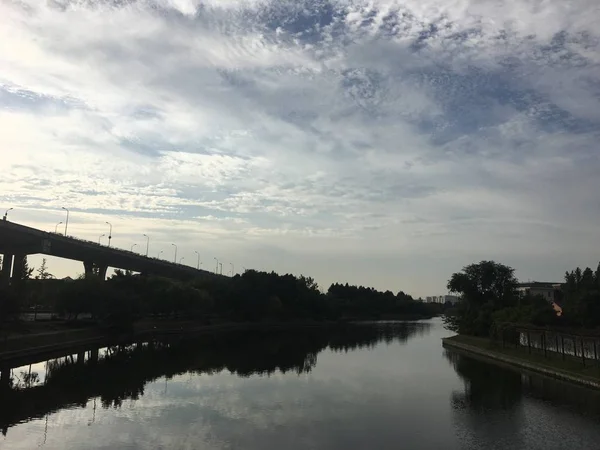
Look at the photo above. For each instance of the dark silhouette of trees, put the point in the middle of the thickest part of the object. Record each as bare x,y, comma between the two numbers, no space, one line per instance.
42,272
581,298
251,296
24,272
363,302
489,299
484,287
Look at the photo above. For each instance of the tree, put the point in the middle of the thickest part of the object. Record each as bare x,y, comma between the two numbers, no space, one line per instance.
485,287
581,298
22,272
43,273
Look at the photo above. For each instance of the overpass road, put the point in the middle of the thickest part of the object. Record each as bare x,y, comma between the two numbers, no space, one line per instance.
17,241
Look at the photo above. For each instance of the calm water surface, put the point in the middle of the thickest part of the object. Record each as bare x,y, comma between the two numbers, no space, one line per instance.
380,386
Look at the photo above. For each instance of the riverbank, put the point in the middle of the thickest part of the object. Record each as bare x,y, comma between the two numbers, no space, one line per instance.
44,343
568,370
48,340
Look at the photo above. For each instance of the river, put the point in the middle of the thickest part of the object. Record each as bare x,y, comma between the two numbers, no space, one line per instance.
374,386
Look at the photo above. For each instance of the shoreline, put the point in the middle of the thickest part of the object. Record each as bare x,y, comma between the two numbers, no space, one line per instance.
32,346
487,354
24,348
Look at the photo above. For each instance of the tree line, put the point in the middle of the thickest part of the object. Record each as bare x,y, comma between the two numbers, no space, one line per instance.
251,296
490,297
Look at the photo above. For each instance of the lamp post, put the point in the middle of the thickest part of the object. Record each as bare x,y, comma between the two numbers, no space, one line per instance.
67,221
109,232
221,264
6,213
175,257
231,264
198,266
56,228
133,246
147,243
100,237
159,253
217,268
181,259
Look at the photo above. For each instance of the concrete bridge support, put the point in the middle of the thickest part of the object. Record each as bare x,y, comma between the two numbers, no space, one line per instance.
94,355
88,267
94,269
7,262
18,267
5,376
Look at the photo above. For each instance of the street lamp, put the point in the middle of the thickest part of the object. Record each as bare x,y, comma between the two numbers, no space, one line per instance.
100,237
109,232
231,264
181,259
198,267
133,246
6,213
217,268
175,257
147,243
159,253
56,228
221,264
67,222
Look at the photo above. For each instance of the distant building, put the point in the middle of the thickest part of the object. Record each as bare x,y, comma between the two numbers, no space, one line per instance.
549,291
442,299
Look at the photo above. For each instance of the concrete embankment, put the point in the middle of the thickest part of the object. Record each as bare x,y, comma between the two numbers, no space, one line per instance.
491,355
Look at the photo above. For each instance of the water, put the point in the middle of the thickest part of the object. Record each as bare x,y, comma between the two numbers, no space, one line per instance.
385,386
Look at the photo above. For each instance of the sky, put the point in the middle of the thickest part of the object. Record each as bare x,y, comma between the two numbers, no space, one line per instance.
382,143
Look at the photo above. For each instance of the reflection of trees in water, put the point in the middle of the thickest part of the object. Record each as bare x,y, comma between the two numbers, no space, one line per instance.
123,371
487,386
368,335
489,410
560,394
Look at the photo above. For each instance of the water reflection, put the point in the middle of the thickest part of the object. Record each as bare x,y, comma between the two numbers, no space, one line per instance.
118,373
487,386
491,387
502,408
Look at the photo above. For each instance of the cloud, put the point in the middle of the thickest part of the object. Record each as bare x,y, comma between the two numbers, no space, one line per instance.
392,131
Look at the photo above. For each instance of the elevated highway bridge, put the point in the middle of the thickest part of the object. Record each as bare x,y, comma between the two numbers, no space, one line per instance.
17,241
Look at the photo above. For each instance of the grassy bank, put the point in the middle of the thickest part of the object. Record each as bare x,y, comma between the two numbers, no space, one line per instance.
570,369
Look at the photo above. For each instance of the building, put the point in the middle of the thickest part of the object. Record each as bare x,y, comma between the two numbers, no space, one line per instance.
442,299
549,291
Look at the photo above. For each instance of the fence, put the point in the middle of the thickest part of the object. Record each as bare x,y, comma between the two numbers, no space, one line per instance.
581,344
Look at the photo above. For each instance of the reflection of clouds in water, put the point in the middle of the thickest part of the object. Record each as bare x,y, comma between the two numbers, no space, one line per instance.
121,373
397,394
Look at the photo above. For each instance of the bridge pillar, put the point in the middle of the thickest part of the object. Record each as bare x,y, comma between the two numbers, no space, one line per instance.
94,355
7,262
5,376
88,266
102,271
18,265
95,269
